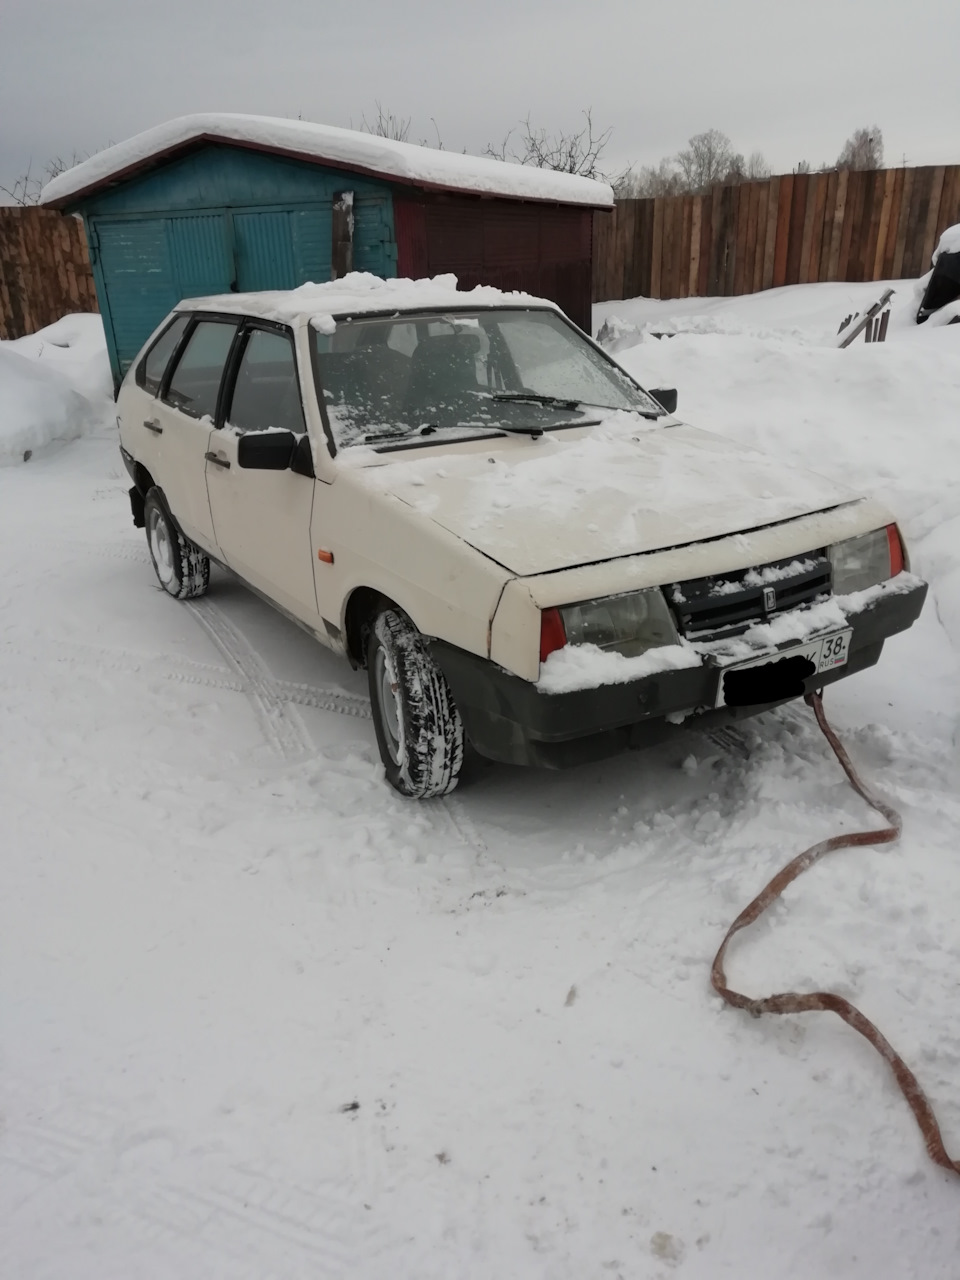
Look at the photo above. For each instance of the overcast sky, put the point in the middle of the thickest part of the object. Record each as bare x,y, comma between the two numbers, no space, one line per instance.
792,81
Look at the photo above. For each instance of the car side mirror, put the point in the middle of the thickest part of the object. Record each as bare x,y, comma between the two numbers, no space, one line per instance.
266,450
667,397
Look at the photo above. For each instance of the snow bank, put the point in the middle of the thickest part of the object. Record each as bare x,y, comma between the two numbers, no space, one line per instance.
402,160
73,346
54,385
807,315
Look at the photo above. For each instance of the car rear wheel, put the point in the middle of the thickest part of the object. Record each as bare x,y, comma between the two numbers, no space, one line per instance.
182,569
419,729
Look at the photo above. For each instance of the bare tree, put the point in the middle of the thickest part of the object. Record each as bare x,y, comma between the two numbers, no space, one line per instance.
757,168
425,142
387,125
566,152
709,159
802,167
862,150
26,189
650,180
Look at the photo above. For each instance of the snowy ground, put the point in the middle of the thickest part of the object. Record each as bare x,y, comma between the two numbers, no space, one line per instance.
259,1017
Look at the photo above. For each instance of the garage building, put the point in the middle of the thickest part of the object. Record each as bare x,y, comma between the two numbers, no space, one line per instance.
206,204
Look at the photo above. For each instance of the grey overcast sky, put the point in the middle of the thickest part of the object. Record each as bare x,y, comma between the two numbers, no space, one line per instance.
790,80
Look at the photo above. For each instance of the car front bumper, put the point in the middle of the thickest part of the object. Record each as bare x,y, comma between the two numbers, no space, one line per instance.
511,720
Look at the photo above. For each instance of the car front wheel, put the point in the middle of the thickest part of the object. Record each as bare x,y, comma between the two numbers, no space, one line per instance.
182,569
419,729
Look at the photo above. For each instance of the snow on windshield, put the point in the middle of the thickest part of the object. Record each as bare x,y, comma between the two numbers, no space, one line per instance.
446,374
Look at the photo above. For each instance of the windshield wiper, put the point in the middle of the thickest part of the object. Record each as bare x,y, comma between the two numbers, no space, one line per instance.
512,430
429,428
533,397
558,402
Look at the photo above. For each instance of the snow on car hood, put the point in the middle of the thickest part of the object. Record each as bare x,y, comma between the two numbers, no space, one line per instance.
626,487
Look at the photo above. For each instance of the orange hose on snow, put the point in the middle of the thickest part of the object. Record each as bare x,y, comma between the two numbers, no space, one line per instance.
828,1001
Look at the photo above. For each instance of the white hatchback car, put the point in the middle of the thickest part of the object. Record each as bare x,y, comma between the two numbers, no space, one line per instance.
464,494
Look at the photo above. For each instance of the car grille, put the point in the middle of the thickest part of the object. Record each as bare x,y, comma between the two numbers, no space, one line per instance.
726,605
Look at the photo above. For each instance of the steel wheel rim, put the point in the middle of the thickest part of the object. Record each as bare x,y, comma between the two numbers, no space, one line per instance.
389,706
161,547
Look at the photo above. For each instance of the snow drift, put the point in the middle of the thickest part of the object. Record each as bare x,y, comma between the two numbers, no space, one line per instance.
54,386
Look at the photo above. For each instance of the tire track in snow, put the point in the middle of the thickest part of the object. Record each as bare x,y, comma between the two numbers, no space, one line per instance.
283,729
459,822
222,1209
241,1205
188,671
169,667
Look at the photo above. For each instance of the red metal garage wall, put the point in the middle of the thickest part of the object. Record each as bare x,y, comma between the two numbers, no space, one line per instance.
541,249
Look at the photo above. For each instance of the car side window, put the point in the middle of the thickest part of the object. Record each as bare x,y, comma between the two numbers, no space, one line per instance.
267,391
195,384
152,367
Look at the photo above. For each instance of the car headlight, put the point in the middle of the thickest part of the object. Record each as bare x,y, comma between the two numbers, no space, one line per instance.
629,624
862,562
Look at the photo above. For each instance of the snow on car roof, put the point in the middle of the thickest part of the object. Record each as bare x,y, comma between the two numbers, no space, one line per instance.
347,148
361,292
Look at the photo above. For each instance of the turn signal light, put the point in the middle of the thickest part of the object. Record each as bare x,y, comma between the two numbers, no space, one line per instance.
896,550
552,634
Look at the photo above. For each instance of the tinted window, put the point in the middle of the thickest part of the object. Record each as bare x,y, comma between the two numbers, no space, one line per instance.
196,379
151,369
267,392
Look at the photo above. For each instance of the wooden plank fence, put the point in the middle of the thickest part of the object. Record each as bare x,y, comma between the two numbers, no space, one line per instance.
44,269
880,224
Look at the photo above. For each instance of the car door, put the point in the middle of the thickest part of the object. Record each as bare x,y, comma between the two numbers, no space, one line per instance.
183,423
261,518
140,431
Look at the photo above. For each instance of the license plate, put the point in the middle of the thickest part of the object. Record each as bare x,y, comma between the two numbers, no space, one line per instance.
781,674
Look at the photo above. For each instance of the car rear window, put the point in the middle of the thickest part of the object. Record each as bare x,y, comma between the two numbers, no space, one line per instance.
195,384
152,367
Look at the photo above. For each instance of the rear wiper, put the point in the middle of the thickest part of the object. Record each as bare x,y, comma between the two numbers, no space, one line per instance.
533,397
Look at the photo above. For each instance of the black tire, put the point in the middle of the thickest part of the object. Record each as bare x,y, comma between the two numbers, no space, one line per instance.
419,729
182,569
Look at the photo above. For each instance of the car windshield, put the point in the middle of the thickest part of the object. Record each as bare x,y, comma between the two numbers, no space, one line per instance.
388,380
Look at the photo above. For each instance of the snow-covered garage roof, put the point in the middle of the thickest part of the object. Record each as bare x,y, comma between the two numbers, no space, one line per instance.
342,148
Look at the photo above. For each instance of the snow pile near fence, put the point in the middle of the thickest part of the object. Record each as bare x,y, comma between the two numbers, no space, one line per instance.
54,386
807,315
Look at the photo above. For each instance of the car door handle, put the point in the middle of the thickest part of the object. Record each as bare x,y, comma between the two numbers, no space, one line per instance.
153,425
220,462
